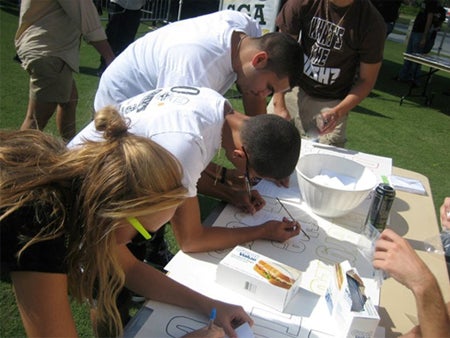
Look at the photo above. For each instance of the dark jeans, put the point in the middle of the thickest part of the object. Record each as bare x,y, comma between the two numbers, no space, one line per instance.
411,70
122,27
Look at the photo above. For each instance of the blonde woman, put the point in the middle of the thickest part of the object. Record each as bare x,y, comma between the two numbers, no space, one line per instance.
67,215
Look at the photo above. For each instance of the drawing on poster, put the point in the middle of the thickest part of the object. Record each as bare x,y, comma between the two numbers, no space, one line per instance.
330,243
378,164
267,324
178,326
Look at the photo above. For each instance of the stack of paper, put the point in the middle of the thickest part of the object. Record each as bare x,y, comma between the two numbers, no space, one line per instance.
407,184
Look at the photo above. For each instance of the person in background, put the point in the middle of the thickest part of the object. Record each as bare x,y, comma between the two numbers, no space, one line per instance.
67,216
193,8
343,43
48,44
213,51
124,18
394,255
427,17
389,10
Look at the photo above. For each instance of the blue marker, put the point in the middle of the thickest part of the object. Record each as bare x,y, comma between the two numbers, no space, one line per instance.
212,317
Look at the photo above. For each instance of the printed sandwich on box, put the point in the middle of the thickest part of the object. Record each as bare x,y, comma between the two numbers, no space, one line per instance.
258,277
354,313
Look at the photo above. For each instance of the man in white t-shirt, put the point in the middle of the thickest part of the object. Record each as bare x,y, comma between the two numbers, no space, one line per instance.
213,51
193,123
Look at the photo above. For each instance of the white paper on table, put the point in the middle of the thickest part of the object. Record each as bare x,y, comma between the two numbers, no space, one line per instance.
407,184
244,331
303,316
167,320
330,240
293,322
259,218
380,165
270,189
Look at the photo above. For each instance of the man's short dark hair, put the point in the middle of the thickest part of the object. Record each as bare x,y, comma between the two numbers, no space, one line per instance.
272,144
285,55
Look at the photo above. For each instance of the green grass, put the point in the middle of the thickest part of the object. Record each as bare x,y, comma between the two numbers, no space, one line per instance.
415,136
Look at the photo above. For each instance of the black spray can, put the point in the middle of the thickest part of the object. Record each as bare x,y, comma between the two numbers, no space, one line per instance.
381,206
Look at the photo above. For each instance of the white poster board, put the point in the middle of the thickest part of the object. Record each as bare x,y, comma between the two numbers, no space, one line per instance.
263,11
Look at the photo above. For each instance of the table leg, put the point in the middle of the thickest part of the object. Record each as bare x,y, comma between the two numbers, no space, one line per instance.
426,93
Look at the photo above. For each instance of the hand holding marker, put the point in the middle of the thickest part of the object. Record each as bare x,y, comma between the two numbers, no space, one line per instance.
212,317
292,218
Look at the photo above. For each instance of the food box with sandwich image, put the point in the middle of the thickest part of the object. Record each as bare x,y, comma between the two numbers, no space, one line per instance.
353,312
258,277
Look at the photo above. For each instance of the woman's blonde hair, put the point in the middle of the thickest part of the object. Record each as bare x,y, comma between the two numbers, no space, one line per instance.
91,189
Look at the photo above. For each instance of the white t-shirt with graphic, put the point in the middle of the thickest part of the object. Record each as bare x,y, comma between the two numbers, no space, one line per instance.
187,121
193,52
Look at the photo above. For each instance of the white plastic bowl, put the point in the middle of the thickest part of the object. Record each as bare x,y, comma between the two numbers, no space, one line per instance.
323,196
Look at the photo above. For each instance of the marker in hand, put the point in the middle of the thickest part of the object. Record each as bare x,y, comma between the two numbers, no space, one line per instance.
292,218
212,317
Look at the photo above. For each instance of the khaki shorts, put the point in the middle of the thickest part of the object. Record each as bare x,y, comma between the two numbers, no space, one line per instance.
51,80
302,109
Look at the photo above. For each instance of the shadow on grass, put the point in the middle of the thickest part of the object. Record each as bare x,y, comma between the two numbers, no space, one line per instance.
10,6
365,111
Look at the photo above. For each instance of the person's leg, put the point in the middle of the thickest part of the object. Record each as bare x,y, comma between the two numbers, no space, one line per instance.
115,25
112,30
304,117
290,99
309,107
38,114
131,20
303,108
389,28
416,67
66,115
50,83
337,137
408,68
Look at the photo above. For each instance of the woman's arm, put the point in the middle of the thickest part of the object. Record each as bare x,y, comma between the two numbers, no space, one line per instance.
153,284
43,302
